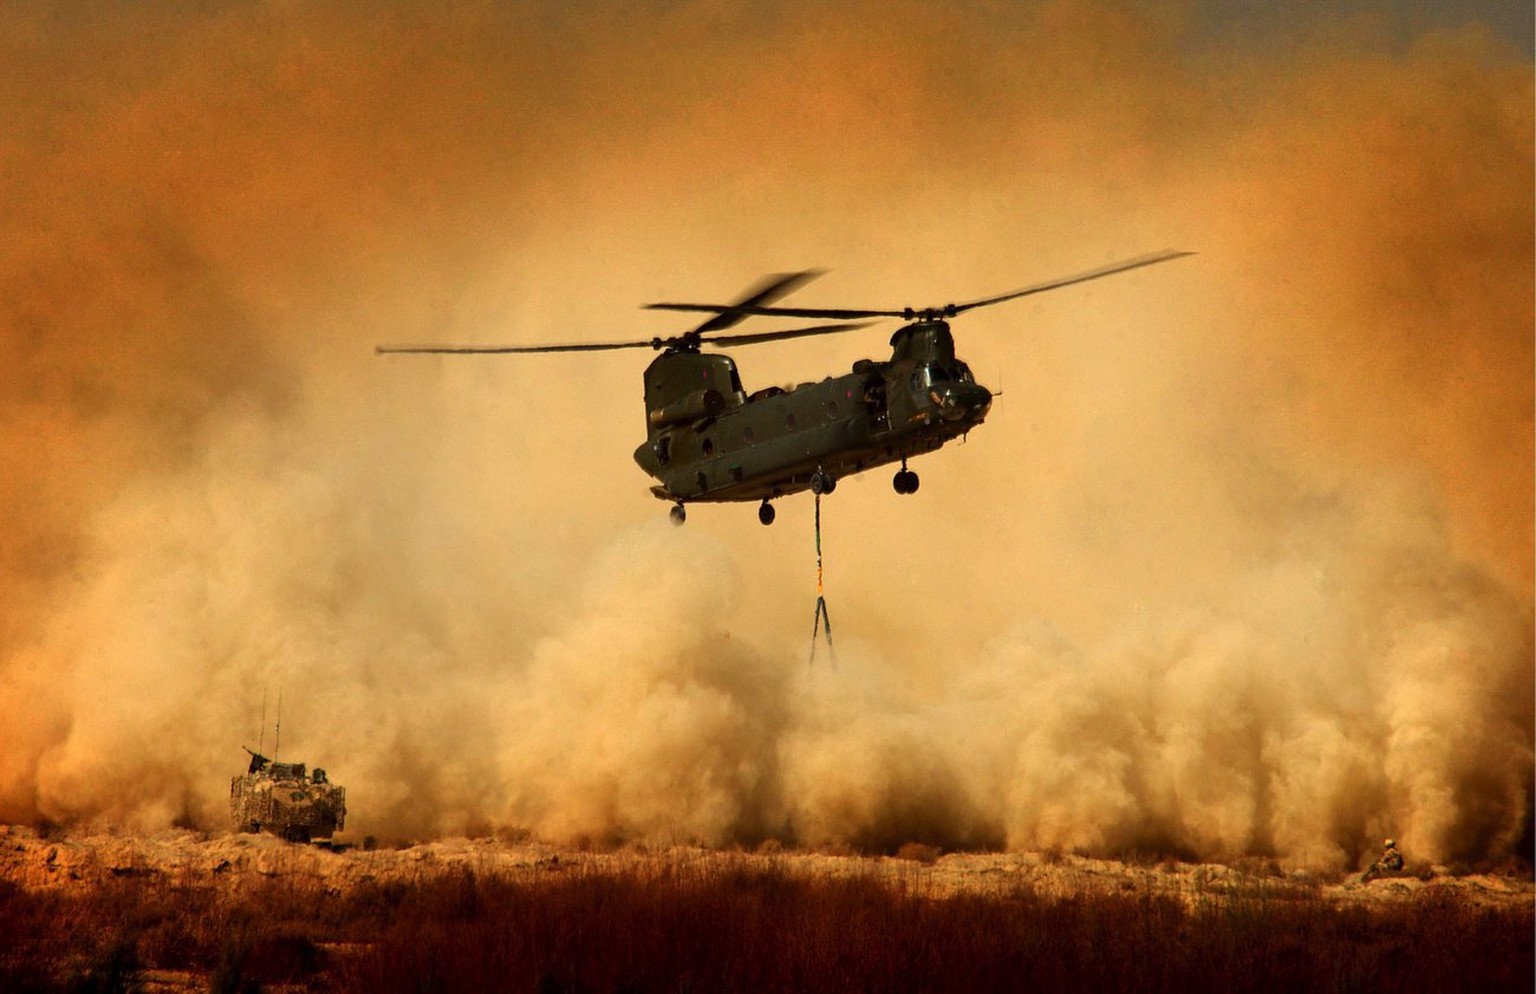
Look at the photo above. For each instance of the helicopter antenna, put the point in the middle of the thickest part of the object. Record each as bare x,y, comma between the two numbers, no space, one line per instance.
277,745
261,736
822,619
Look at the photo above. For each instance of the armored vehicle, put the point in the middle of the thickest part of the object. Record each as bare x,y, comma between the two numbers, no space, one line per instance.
280,798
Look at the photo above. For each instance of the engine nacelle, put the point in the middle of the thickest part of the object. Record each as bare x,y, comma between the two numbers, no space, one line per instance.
705,403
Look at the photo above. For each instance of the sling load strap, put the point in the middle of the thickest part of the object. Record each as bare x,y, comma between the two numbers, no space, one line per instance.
823,620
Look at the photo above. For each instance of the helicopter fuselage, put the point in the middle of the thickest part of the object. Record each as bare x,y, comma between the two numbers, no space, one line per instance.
707,440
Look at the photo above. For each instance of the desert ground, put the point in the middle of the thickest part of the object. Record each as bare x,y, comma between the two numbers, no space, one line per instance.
44,860
194,911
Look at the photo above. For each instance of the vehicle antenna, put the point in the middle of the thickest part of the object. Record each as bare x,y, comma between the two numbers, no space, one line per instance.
822,619
261,736
277,745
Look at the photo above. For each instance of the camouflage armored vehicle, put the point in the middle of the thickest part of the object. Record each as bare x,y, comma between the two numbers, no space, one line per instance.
280,798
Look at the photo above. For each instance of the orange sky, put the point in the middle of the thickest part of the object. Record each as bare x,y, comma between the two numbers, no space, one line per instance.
1280,493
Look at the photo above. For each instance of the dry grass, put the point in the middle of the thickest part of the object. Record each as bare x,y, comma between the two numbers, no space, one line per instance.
918,852
739,922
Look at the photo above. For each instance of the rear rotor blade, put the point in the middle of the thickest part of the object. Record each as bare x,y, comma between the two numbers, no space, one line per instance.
739,311
654,343
752,338
771,289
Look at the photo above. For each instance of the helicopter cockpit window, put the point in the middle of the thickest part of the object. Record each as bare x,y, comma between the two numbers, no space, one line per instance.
926,376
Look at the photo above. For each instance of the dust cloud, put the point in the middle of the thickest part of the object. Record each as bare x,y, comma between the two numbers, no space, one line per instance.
1241,564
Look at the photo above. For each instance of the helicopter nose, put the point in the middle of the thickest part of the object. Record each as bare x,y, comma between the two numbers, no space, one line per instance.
963,401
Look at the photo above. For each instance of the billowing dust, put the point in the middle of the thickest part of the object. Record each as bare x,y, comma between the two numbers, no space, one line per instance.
1241,563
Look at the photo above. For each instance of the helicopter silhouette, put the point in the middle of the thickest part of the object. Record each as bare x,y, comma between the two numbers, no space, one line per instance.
708,440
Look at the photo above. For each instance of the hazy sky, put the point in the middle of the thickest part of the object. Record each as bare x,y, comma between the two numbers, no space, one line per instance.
1241,561
1397,20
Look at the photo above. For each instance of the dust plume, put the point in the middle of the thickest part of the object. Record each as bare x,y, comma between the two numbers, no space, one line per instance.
1241,563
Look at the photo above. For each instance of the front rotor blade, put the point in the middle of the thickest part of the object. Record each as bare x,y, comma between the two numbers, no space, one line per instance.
513,349
908,313
771,289
725,341
1092,274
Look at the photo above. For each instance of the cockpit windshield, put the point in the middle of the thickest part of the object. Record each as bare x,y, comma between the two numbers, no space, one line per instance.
955,371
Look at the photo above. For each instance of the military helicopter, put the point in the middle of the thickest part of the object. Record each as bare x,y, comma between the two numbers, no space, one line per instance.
708,440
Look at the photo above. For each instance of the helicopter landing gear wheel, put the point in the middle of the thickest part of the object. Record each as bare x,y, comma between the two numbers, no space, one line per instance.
765,513
905,481
822,483
679,514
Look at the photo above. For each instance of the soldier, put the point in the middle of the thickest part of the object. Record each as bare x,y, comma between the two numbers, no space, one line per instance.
258,761
1390,863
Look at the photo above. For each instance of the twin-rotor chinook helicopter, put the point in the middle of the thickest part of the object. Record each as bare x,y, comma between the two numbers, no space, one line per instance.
707,439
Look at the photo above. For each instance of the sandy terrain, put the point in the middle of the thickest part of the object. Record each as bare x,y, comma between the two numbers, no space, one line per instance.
233,861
